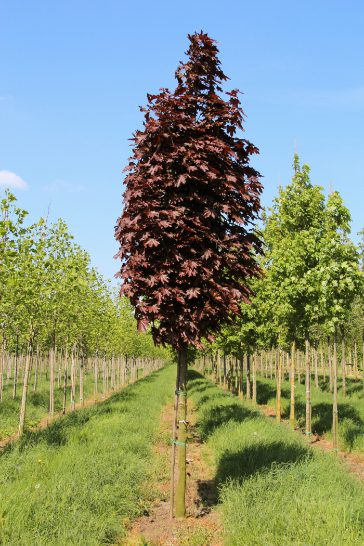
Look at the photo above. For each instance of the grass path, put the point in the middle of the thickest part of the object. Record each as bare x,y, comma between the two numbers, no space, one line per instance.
350,407
202,526
271,486
83,479
354,461
37,405
101,476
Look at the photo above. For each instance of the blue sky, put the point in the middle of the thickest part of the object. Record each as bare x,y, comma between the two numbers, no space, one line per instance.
73,73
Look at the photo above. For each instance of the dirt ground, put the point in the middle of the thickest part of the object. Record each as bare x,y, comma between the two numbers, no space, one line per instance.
353,461
202,525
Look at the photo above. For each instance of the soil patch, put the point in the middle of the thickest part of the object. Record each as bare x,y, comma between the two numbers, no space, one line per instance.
353,461
202,526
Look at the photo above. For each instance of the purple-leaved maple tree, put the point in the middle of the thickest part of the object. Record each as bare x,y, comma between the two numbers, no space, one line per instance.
187,245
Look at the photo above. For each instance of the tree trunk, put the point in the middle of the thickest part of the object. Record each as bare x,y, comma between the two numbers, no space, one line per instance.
335,420
241,375
224,369
36,370
292,418
24,395
174,434
279,387
330,365
315,360
2,368
81,380
65,377
96,375
73,382
343,366
15,384
299,367
51,383
323,371
236,376
308,388
356,375
254,377
271,364
248,384
182,435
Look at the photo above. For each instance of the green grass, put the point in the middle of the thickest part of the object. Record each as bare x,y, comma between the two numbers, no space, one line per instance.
351,409
82,479
274,489
37,403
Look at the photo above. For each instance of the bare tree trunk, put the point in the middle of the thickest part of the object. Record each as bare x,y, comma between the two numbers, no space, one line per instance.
112,373
330,365
96,375
59,360
51,383
308,388
65,377
224,368
174,434
236,385
271,364
15,383
356,372
322,363
335,419
218,363
299,367
182,436
81,380
36,370
241,378
25,392
73,380
292,418
248,383
2,367
254,377
315,360
279,387
343,366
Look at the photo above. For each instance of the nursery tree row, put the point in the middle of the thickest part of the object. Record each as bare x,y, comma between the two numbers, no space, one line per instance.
309,297
51,296
63,329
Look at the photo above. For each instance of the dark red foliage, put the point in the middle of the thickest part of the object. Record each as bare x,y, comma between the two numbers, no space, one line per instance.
185,234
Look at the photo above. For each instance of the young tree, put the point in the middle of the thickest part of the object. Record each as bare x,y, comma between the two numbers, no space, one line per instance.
185,235
292,235
340,279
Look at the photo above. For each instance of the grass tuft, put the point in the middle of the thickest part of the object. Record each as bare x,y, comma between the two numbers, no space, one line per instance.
83,479
273,488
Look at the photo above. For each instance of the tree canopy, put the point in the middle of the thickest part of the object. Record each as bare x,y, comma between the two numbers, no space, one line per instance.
186,243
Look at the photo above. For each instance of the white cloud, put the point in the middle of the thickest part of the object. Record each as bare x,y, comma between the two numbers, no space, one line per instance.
8,179
63,185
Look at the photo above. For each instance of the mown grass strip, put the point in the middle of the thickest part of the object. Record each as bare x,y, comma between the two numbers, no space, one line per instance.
83,478
351,409
37,404
273,488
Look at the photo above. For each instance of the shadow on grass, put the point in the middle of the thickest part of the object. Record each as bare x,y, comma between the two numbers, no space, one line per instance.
217,408
257,458
267,391
218,415
351,425
57,432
